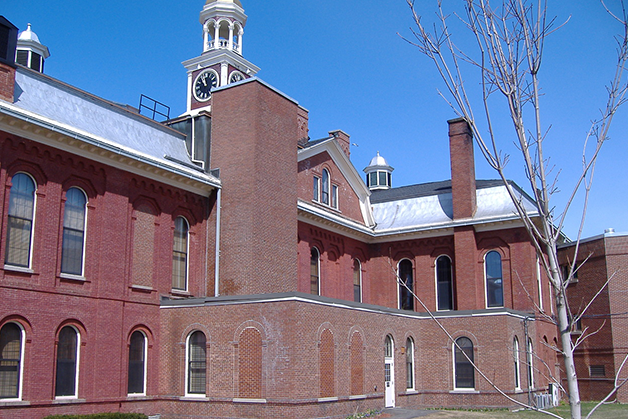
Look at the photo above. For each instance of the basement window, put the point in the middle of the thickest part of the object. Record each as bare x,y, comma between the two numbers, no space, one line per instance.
597,371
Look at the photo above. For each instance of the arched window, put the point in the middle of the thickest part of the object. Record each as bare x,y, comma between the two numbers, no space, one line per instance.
66,383
357,281
73,232
494,282
11,349
197,363
180,254
515,356
463,369
137,364
444,283
406,299
530,361
325,187
20,222
410,364
388,347
315,271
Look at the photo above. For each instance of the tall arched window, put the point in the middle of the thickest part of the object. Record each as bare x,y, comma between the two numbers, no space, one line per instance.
406,299
444,283
409,364
325,187
315,271
357,281
463,369
494,281
180,254
20,222
197,363
66,383
73,232
11,349
137,364
515,356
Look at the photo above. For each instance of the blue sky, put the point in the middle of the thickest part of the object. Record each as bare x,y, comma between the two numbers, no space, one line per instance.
345,62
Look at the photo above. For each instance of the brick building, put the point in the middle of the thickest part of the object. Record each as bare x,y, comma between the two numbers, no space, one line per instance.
224,265
599,357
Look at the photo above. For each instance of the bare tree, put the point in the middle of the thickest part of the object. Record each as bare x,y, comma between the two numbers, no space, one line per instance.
508,49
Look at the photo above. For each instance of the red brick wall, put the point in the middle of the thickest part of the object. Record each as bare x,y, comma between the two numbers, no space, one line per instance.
7,82
254,135
462,168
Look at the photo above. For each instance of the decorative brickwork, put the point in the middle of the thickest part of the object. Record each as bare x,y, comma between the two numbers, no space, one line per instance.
327,364
250,364
357,364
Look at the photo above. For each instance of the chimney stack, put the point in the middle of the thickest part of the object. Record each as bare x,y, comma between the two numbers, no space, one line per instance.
462,168
8,43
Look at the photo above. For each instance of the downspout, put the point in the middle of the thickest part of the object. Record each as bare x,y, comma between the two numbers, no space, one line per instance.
217,258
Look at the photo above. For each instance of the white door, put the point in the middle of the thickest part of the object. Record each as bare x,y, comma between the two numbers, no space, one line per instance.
389,374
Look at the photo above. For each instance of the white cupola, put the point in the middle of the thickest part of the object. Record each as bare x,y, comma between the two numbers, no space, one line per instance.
223,25
378,173
30,52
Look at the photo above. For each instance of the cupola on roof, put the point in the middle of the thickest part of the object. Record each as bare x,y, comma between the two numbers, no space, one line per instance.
28,35
30,52
378,173
378,161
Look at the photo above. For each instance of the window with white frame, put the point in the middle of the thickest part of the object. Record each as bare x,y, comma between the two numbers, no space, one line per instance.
444,283
325,187
406,285
539,282
464,374
66,379
11,366
315,269
494,280
410,364
20,221
530,361
357,281
137,364
324,191
196,363
515,357
316,188
180,254
74,221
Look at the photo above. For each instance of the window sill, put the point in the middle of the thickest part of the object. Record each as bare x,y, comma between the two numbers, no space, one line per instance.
327,399
195,398
180,293
358,397
13,402
67,399
241,400
71,277
141,288
326,206
409,392
20,269
137,396
464,391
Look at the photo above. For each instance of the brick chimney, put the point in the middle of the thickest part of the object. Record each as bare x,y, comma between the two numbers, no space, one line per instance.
8,43
343,139
462,168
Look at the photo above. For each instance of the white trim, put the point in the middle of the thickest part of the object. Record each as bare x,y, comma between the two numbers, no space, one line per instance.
453,358
145,362
399,285
515,352
27,269
20,376
187,367
360,273
530,362
81,275
486,283
187,255
539,282
412,346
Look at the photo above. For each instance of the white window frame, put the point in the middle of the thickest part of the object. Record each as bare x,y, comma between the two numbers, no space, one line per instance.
187,255
143,393
410,352
78,360
360,277
187,366
515,354
451,282
20,377
539,282
318,261
530,360
501,260
32,238
399,286
316,186
453,358
82,274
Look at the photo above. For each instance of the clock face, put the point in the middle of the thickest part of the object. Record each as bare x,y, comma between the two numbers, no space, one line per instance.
204,84
235,77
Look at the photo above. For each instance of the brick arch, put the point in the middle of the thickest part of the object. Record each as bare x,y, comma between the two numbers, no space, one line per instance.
77,324
327,364
32,169
22,321
78,182
356,361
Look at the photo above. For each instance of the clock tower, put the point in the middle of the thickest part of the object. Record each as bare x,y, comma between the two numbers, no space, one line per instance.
221,62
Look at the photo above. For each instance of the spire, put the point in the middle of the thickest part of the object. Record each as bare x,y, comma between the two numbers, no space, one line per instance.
30,52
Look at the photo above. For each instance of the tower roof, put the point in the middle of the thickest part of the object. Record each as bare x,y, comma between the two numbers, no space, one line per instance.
378,162
30,41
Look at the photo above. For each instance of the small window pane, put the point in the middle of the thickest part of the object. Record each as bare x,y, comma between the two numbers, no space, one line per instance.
325,187
334,196
315,188
10,359
382,178
20,221
136,363
388,347
66,362
373,179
